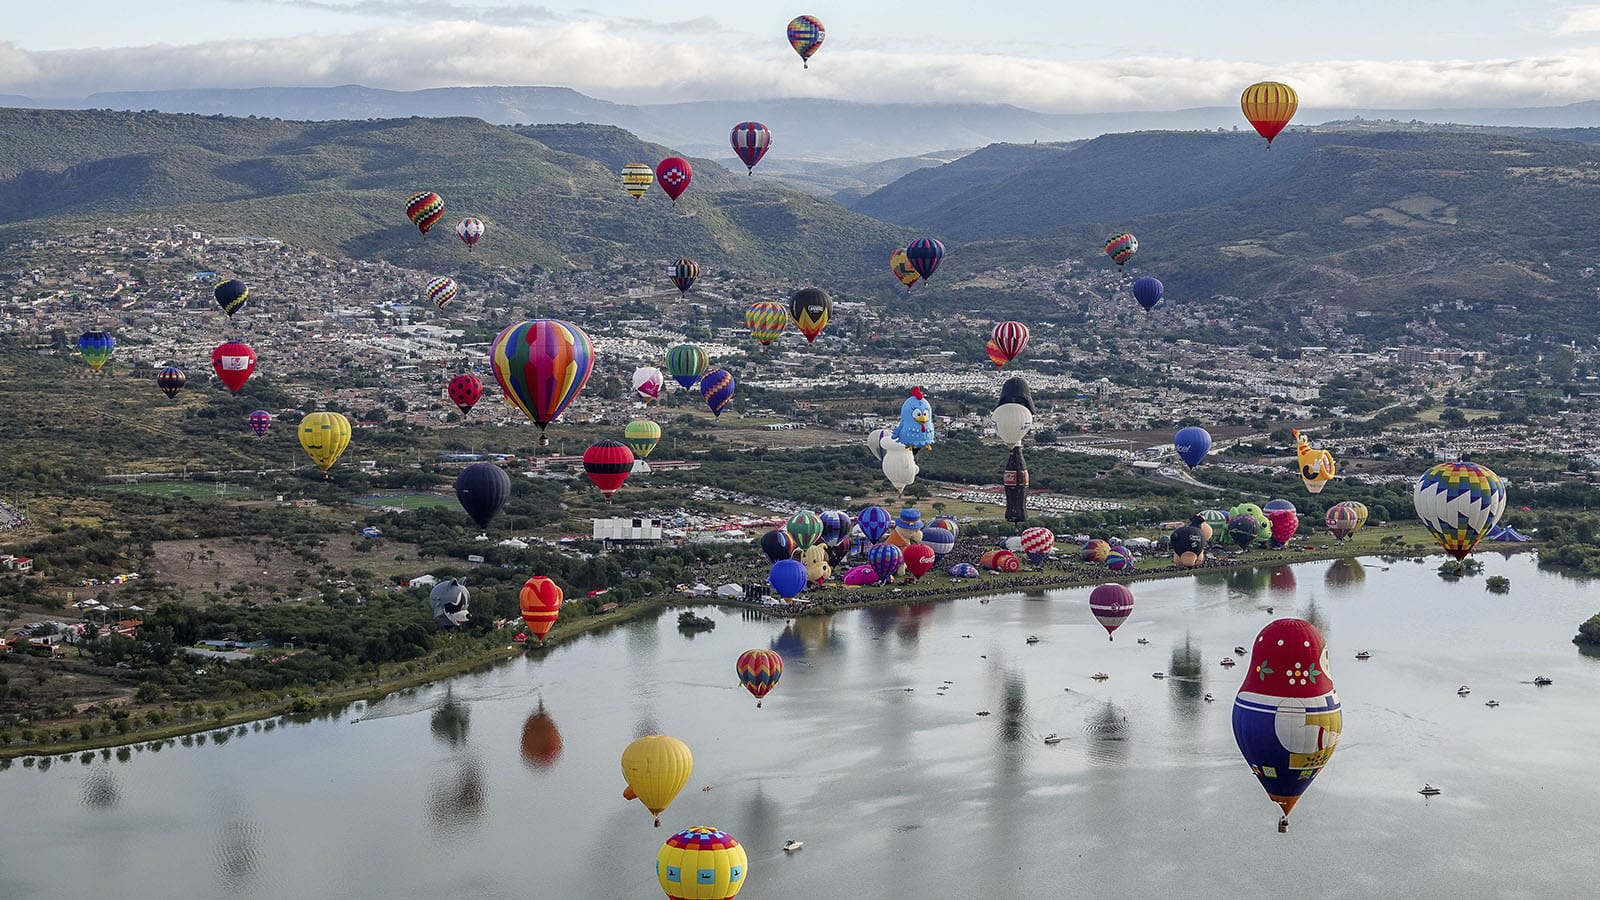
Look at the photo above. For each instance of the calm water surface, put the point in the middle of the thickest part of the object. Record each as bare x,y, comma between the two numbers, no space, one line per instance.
505,784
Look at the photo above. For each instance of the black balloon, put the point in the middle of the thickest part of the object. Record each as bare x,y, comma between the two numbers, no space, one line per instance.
1016,481
1188,539
482,489
1015,390
777,545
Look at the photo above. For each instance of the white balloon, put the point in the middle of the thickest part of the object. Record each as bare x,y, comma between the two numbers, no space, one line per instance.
899,464
875,441
1011,422
647,381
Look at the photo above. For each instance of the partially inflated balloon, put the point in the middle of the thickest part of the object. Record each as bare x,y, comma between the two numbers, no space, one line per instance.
805,36
656,768
701,863
231,295
759,671
717,389
1111,605
96,348
1094,551
465,391
424,209
540,601
324,436
1459,502
541,366
482,489
810,309
1000,561
1269,105
674,174
1287,717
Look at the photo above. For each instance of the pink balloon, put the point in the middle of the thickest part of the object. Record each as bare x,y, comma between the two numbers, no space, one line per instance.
861,575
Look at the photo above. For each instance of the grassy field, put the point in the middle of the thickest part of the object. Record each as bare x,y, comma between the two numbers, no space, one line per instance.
406,501
189,490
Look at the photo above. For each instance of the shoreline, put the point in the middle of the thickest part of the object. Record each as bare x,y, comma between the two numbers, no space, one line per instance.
854,598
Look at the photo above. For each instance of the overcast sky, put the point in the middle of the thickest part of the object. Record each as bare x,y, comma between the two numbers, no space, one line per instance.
1051,55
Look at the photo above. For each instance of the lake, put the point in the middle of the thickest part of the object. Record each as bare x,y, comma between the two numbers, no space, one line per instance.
506,783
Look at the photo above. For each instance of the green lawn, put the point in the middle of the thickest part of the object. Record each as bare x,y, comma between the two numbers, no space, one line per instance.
193,490
406,501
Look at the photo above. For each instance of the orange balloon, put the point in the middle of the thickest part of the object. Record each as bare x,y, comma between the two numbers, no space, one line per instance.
897,539
541,601
628,794
541,740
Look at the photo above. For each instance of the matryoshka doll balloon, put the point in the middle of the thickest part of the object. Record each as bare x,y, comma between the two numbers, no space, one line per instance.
1286,717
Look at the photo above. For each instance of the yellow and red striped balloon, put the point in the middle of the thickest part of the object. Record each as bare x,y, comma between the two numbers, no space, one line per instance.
1269,105
759,671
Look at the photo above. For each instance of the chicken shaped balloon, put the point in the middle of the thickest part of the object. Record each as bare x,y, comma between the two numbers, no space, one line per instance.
1286,717
916,422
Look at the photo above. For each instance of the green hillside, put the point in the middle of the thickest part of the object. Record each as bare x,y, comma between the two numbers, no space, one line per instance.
342,186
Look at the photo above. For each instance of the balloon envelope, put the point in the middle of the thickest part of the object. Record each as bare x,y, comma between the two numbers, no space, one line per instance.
925,254
1111,605
482,489
656,767
787,578
96,348
759,671
1269,105
750,141
448,602
465,391
686,363
234,362
1287,716
701,863
540,602
171,380
231,295
259,421
674,174
717,388
918,559
861,575
875,523
608,464
647,381
1192,444
324,436
810,309
541,366
1459,502
1121,247
1148,291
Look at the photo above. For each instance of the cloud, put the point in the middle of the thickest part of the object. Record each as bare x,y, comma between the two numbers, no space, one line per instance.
1582,20
425,10
614,62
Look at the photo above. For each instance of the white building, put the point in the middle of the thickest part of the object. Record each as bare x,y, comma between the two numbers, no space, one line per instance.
619,529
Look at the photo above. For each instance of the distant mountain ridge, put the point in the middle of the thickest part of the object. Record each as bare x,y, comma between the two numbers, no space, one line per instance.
809,129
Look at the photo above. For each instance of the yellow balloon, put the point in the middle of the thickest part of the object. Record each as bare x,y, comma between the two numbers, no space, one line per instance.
324,435
701,863
656,768
1316,465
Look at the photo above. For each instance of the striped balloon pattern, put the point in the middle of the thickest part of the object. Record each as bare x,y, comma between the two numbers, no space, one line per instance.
425,209
1006,342
441,291
96,348
171,381
1459,502
608,464
637,178
717,388
804,529
767,319
641,436
759,671
686,363
1037,542
541,365
470,231
810,308
1121,247
925,254
260,421
805,36
684,272
885,560
1341,521
750,141
1118,559
1269,105
701,862
1111,605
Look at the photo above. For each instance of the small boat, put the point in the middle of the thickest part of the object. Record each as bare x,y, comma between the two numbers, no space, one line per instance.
1227,662
1363,655
1542,680
1099,676
792,846
1429,790
1210,699
1158,674
1238,651
1144,640
984,712
1052,738
1033,639
1463,691
1492,703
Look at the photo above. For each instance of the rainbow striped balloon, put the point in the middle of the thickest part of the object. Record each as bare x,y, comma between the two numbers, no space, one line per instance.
767,319
541,366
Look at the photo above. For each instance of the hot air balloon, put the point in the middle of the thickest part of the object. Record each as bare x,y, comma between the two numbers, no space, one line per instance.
787,578
901,267
1013,417
716,387
939,540
875,523
470,231
1094,551
641,436
766,320
96,348
1341,521
424,209
918,560
1284,520
674,173
234,363
1189,544
608,464
1287,717
1121,247
686,363
924,255
541,740
441,291
810,308
1000,561
647,381
482,489
916,422
1361,514
541,366
861,576
684,272
886,560
963,570
909,526
899,465
637,178
1316,466
259,421
1015,480
777,545
656,768
815,559
1118,559
465,391
1269,105
1111,605
875,441
1459,502
1007,342
750,141
1243,528
448,602
805,36
701,863
540,601
836,525
171,380
1192,444
1218,521
1148,292
804,529
1037,542
324,436
231,295
759,671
